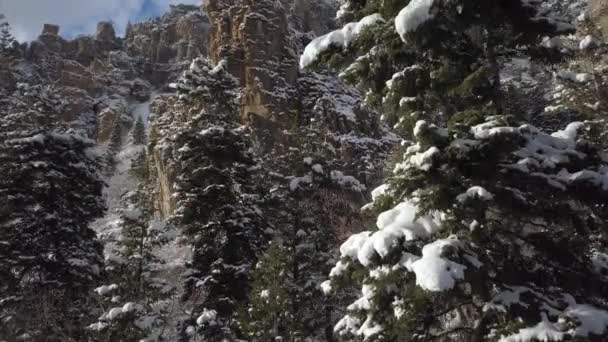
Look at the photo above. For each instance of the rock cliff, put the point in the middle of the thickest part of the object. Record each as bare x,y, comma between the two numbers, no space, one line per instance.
164,44
259,43
104,75
598,11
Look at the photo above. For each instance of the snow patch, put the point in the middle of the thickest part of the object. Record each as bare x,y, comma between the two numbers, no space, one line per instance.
424,160
433,272
208,316
341,38
586,43
589,319
475,192
543,331
395,224
416,13
326,287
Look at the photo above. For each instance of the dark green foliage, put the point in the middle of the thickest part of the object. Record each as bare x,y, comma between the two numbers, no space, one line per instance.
114,146
51,259
217,202
272,309
133,301
218,212
515,227
138,135
210,84
449,64
6,37
139,168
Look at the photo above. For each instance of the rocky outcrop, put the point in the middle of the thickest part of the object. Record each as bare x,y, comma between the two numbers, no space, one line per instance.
99,75
168,43
254,38
105,32
161,166
105,37
110,111
84,49
49,40
177,36
74,74
260,42
50,30
598,11
290,113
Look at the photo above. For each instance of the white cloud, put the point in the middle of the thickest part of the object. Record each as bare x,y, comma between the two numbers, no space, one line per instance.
74,16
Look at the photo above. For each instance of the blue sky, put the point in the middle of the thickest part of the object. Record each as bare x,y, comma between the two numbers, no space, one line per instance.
79,16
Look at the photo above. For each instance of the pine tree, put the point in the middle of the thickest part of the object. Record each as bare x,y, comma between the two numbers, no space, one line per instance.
6,37
207,83
134,299
270,314
440,67
138,165
114,146
51,259
129,30
138,135
488,228
304,218
216,202
138,138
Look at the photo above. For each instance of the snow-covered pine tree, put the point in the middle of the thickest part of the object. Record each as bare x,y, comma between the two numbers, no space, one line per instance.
30,110
129,29
50,192
489,229
413,68
114,146
138,135
304,214
138,138
134,300
139,167
312,242
273,306
217,199
6,37
206,83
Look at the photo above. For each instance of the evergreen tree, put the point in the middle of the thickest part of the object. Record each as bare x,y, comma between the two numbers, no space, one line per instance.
51,259
488,228
270,315
138,165
129,30
138,135
6,37
432,59
216,202
207,83
134,300
114,146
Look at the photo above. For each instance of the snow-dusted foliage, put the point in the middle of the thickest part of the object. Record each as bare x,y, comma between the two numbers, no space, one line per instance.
207,82
341,38
216,199
416,13
272,312
138,299
50,192
6,38
480,202
487,216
